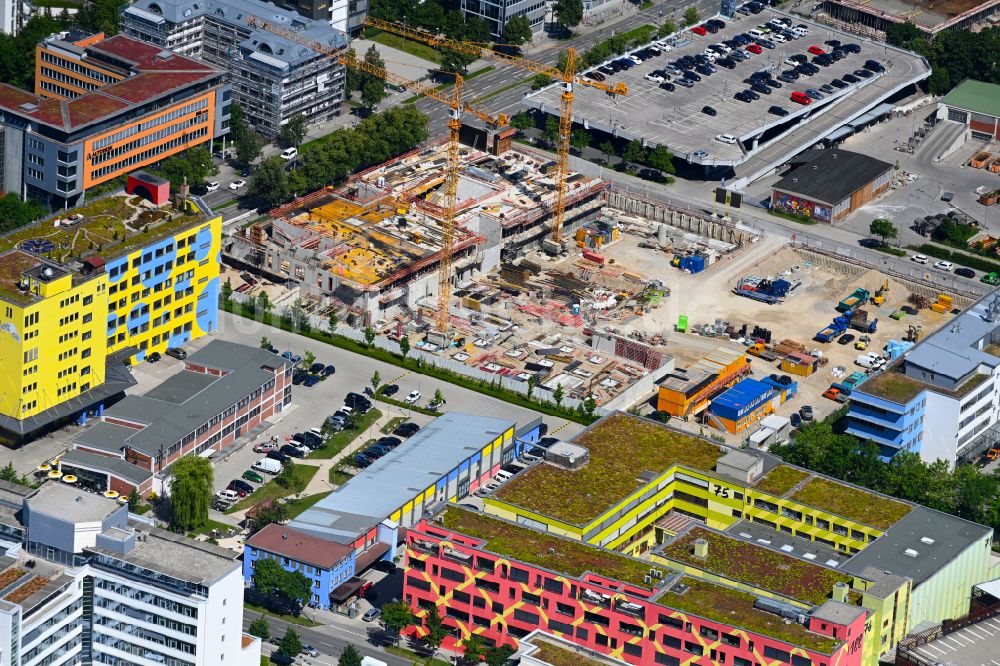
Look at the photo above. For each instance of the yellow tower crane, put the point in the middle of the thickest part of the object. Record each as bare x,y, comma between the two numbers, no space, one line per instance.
567,76
453,100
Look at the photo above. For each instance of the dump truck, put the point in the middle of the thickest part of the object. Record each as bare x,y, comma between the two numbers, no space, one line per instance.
992,279
765,291
859,297
860,322
837,327
849,383
760,350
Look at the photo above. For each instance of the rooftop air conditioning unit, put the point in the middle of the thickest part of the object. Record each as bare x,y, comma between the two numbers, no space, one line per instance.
909,552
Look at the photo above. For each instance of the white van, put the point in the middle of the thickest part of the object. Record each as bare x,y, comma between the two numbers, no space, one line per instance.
755,33
289,153
267,465
870,361
503,476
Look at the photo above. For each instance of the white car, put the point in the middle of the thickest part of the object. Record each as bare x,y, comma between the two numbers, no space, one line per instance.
289,153
725,138
237,184
791,61
725,49
412,397
778,37
945,266
919,258
211,187
654,77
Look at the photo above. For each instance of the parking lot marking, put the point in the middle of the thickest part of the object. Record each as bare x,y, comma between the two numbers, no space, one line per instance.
983,629
936,649
995,662
397,379
943,642
969,629
928,653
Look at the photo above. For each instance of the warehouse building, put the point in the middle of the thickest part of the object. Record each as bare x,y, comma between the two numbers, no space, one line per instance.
101,109
688,391
831,184
272,77
975,105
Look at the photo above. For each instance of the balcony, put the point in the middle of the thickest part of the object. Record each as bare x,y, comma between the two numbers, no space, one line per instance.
457,556
877,416
428,547
596,598
630,608
886,437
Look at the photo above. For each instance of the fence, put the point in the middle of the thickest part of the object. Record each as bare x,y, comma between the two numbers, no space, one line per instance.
906,651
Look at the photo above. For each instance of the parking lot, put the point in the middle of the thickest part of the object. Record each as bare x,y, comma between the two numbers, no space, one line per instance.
675,119
972,646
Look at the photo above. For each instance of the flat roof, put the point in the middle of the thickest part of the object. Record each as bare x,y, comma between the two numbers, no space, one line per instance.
289,542
62,501
928,14
832,175
397,477
859,504
903,549
975,96
742,394
116,467
177,556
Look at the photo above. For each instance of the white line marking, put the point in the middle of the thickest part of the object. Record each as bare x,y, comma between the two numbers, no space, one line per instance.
978,636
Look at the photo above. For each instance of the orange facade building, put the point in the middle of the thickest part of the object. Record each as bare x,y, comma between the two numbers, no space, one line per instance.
101,109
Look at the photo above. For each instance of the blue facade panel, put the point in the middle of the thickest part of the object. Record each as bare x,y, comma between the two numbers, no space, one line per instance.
893,426
324,581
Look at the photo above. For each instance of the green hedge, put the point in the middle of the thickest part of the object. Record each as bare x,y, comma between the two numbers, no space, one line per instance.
959,258
412,364
895,251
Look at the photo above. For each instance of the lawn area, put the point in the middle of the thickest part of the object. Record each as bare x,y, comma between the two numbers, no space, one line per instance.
210,525
299,620
754,565
862,506
621,448
558,655
418,659
409,46
301,475
893,386
781,479
339,477
391,425
573,558
729,606
339,441
296,506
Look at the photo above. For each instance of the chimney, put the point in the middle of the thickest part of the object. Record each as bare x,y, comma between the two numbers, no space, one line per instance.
840,591
701,548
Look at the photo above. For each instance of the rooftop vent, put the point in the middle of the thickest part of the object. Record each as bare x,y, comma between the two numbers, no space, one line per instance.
164,55
909,552
29,107
929,541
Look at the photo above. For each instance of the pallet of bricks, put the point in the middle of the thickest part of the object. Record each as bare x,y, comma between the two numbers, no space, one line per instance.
789,346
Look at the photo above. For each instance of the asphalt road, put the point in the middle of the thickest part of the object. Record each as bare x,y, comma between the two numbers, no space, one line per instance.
328,639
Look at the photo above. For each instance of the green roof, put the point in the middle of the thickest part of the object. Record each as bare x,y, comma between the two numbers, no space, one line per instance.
572,558
892,385
863,506
746,562
975,96
733,607
557,655
621,448
781,479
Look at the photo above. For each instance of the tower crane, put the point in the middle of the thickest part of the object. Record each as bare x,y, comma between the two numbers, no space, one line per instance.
453,100
567,76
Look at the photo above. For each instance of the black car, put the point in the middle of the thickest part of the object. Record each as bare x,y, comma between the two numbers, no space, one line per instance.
358,402
717,23
743,97
386,566
709,111
691,76
778,111
756,7
292,451
607,69
751,94
965,272
827,88
863,73
766,43
240,486
279,456
312,440
329,370
546,442
299,376
837,83
788,77
390,390
154,357
874,66
391,442
362,461
851,48
799,58
710,29
835,43
760,88
668,86
727,62
316,368
806,412
838,54
823,60
406,430
845,339
704,70
850,78
177,353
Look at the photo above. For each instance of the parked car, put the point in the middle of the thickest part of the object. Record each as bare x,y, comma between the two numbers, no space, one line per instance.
242,488
310,380
725,138
845,339
279,455
806,412
251,475
237,184
289,154
292,451
709,111
329,370
362,461
309,650
816,50
406,430
412,397
390,390
778,111
264,447
212,187
919,258
177,353
371,615
850,78
837,83
267,465
863,74
945,266
965,272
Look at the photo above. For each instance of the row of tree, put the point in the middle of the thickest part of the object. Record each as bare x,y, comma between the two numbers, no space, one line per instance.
954,55
965,491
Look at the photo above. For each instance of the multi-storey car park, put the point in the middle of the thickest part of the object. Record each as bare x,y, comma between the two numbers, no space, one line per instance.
91,288
656,547
374,244
939,399
101,109
272,78
764,140
85,583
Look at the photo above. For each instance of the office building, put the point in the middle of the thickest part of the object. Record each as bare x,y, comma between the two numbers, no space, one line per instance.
224,391
101,109
82,297
496,13
939,399
85,585
661,545
272,77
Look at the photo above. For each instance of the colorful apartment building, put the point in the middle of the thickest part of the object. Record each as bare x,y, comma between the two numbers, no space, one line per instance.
101,109
103,287
765,546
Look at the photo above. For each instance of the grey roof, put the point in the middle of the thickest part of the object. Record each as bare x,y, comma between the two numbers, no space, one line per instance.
952,350
949,536
62,501
12,494
177,556
739,460
396,478
883,583
104,436
185,401
116,467
832,175
236,12
838,612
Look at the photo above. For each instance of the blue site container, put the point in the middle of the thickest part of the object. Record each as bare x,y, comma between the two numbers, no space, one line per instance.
696,263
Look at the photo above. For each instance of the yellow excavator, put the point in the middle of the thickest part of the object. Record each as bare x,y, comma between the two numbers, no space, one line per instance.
880,294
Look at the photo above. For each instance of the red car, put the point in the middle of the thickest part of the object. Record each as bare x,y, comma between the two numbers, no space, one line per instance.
754,48
815,50
698,30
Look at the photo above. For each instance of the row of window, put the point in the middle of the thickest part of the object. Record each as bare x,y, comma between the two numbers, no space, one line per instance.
79,68
105,154
149,124
149,153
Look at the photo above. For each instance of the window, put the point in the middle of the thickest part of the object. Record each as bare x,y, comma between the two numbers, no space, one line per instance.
561,627
565,609
740,661
530,598
731,640
667,660
775,653
801,661
633,649
518,575
671,641
525,616
709,633
693,648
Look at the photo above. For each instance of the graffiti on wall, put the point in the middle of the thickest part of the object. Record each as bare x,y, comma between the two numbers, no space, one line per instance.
798,206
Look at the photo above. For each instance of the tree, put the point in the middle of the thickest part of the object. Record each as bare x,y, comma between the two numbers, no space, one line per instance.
227,290
634,153
134,500
263,304
902,34
349,656
691,15
473,647
668,28
517,31
333,320
269,578
372,93
589,406
291,644
15,213
551,132
369,336
294,131
194,164
404,345
568,13
376,380
954,233
438,397
270,181
8,473
455,61
248,146
522,120
661,159
883,228
532,383
396,617
608,148
579,139
260,628
265,343
275,512
436,629
190,493
558,394
308,358
498,655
